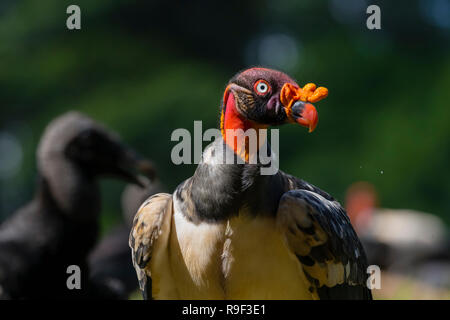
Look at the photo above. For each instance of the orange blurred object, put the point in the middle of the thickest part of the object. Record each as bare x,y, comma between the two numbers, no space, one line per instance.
360,200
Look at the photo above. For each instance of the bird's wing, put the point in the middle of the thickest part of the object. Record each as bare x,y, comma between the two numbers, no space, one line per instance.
320,235
150,231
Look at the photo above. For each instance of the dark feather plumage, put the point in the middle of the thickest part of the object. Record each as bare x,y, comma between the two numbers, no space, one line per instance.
59,226
222,189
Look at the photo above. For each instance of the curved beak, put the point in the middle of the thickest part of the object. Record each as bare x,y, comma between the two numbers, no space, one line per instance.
296,102
114,158
135,169
305,114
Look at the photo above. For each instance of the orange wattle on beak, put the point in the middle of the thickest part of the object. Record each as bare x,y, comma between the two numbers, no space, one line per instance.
295,101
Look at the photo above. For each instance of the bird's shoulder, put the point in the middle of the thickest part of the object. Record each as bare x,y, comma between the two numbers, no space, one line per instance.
148,224
291,182
318,231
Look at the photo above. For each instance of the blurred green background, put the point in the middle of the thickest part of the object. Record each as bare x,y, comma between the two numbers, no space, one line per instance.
145,68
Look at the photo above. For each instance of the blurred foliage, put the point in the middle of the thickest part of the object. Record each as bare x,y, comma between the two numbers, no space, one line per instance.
145,68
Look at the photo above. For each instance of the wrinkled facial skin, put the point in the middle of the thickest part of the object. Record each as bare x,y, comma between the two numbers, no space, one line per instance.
261,108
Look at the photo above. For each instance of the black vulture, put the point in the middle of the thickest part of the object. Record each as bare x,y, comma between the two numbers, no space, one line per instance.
60,225
110,265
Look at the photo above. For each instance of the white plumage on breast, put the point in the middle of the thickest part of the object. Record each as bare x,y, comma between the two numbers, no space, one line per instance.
262,267
243,258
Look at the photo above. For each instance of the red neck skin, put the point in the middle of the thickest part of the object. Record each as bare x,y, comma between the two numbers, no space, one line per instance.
232,119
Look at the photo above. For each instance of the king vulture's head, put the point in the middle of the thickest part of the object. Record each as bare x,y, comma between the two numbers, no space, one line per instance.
259,98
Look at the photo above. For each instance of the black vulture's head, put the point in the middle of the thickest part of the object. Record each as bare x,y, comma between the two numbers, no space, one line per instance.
77,139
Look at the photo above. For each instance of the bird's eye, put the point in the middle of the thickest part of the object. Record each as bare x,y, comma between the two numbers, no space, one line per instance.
262,87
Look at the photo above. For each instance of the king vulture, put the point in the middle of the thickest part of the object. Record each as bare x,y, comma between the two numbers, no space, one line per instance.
230,232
